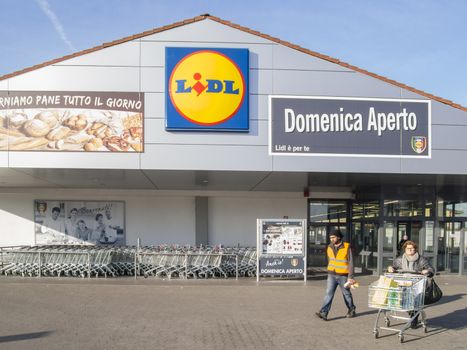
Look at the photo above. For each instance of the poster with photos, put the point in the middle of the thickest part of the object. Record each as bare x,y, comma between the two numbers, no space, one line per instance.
79,222
282,237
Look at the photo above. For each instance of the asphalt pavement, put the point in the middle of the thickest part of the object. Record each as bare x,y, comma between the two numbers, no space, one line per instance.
123,313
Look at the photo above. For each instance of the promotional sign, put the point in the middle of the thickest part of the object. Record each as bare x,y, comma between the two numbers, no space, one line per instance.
336,126
289,265
71,121
281,248
79,222
207,89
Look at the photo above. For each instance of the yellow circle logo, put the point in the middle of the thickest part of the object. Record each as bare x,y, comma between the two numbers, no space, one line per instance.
206,87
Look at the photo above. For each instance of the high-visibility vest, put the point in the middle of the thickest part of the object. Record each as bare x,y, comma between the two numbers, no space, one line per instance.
340,263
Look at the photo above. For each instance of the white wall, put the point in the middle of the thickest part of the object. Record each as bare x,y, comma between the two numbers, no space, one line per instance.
160,216
232,220
159,220
17,220
153,217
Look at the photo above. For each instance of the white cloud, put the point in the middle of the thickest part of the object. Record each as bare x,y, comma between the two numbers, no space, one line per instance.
44,5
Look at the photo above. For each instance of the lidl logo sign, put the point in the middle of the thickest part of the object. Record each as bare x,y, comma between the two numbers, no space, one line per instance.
207,89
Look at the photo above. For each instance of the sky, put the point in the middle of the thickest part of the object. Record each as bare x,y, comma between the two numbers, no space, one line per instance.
421,43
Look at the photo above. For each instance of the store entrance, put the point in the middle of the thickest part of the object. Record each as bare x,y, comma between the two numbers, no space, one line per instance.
324,217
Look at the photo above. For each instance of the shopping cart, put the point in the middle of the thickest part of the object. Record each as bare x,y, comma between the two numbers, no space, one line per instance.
395,293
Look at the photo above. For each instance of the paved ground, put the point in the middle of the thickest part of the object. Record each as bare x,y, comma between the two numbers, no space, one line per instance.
222,314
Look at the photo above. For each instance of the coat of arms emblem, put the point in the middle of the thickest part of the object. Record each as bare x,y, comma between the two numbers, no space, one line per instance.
418,144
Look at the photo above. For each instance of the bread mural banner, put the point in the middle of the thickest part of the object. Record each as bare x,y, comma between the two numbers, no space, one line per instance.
71,121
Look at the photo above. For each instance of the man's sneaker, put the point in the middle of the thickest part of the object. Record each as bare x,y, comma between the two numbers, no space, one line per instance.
350,314
322,315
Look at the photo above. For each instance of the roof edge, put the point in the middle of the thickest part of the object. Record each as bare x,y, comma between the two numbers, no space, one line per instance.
244,29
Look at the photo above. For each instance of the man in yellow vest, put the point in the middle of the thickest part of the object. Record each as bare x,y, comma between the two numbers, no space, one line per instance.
340,271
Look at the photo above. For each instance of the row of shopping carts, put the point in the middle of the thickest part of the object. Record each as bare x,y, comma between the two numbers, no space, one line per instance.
156,261
72,261
196,262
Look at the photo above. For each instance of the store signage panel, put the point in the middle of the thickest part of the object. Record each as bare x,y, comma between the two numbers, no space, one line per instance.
207,89
71,121
349,127
79,222
281,247
281,265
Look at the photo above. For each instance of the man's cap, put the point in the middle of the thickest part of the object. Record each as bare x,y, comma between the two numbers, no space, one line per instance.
336,233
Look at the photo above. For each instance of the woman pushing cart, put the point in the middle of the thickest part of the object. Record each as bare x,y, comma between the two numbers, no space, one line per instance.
402,292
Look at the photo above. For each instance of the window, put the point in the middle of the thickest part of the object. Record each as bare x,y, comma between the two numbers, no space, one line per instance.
328,212
454,209
408,208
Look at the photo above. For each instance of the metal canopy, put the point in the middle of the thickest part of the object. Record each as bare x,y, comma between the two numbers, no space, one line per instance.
218,180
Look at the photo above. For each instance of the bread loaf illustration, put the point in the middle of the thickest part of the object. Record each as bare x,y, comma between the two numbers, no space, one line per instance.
36,128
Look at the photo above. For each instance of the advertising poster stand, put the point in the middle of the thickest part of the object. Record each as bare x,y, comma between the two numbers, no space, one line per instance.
281,248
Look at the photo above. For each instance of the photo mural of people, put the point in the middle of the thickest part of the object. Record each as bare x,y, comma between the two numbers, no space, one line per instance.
79,222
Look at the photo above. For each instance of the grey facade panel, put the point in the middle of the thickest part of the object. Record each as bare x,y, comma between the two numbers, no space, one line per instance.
320,83
153,52
78,78
154,105
206,157
442,162
74,160
449,137
259,107
258,135
336,164
152,79
261,81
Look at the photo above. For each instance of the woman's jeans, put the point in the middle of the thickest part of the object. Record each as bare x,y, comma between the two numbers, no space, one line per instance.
333,282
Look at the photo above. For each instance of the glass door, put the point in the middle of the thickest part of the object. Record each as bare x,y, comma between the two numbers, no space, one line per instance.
323,217
428,239
370,236
390,244
449,246
317,241
365,246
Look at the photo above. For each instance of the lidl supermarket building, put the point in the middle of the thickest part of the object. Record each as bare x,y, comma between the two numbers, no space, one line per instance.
187,134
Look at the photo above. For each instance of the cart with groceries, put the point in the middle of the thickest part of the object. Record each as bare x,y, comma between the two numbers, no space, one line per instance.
398,297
